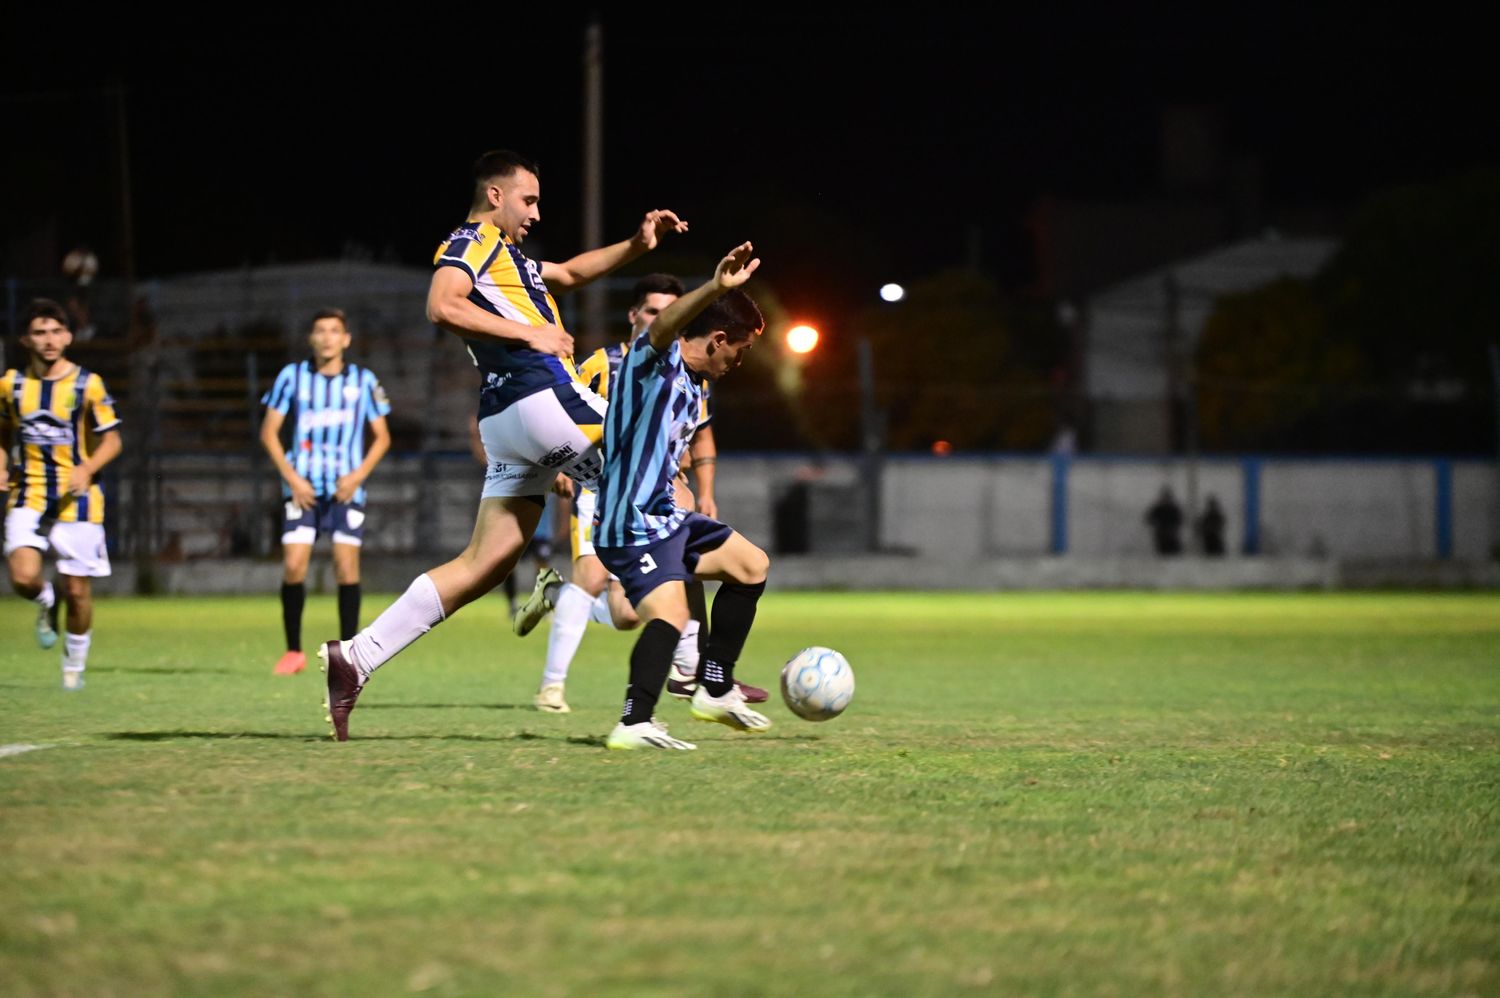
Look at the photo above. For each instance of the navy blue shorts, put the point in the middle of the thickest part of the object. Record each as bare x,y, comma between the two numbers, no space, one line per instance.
673,559
345,521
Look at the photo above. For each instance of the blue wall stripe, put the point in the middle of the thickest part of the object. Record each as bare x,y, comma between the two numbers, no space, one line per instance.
1443,472
1060,465
1251,472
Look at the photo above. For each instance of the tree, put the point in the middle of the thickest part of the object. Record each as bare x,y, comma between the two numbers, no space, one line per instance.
948,367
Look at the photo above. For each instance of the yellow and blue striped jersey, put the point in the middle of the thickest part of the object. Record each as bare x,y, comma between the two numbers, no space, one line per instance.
57,425
508,284
603,366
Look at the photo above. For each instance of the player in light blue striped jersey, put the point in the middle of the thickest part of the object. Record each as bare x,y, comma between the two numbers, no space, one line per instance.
653,545
327,405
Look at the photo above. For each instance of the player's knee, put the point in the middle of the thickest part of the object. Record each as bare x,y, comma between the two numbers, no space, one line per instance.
24,577
76,590
757,565
591,580
294,568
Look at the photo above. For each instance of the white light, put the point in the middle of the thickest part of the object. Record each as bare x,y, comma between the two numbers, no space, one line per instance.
892,292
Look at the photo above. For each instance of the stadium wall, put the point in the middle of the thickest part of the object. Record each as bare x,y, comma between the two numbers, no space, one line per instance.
982,522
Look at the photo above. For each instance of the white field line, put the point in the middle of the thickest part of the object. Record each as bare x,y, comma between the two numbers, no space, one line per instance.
17,749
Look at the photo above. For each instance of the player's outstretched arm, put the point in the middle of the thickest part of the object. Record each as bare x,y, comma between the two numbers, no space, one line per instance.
448,307
594,264
735,269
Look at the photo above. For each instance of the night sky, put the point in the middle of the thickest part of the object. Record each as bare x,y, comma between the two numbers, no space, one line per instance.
853,150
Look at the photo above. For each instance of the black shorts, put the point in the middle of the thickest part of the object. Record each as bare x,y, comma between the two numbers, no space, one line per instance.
671,559
343,521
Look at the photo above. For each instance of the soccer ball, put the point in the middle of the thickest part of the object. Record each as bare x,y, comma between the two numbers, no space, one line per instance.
817,684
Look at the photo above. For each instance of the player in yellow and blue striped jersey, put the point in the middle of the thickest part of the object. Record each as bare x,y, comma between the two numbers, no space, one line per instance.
62,422
536,420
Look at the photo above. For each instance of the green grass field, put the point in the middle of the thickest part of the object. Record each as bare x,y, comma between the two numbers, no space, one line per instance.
1031,794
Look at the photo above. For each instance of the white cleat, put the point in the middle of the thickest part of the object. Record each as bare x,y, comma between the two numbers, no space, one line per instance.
729,709
645,735
549,699
72,680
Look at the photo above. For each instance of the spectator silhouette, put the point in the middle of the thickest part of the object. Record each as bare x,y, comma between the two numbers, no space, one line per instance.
1210,528
1165,519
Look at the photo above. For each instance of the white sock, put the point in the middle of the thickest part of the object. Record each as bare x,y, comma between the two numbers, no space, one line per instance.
599,611
685,656
46,597
570,617
76,650
418,611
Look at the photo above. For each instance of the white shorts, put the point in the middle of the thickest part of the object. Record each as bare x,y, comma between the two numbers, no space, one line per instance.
80,546
531,440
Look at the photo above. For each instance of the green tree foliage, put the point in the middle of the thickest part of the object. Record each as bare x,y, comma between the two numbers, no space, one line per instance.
1266,364
953,362
1384,350
1416,280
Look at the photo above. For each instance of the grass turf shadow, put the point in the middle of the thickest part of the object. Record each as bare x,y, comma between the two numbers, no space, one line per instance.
167,736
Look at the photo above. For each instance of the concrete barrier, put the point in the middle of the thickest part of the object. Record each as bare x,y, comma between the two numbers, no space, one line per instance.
392,574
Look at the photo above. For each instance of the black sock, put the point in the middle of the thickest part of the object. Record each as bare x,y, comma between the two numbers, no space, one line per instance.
698,608
348,611
734,612
649,663
293,595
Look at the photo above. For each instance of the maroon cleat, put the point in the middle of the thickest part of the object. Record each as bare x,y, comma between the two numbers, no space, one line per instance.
343,687
752,694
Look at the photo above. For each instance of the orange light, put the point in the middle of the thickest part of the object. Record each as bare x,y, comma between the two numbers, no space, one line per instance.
801,339
942,448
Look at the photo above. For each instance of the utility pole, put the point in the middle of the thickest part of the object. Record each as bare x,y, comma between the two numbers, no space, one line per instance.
1182,392
143,368
593,178
1495,396
872,424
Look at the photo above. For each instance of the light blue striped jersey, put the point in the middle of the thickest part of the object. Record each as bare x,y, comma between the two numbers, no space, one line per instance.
655,405
602,367
327,418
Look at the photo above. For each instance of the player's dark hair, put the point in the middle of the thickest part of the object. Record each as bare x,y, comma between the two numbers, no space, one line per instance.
656,284
43,308
329,313
734,313
499,163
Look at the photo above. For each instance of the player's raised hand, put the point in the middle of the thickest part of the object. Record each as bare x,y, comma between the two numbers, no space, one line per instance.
735,269
552,339
657,224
